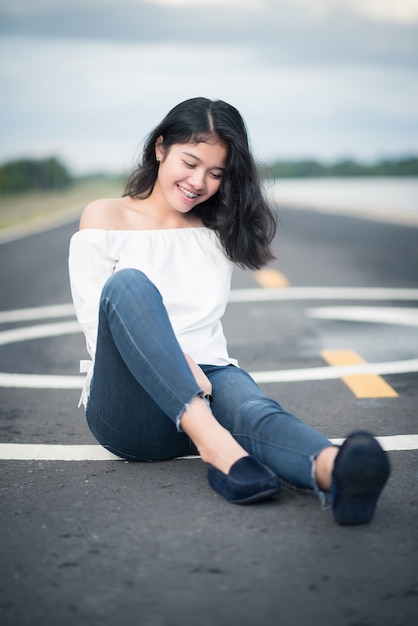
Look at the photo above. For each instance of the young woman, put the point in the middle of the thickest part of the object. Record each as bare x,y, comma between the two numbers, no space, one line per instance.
150,276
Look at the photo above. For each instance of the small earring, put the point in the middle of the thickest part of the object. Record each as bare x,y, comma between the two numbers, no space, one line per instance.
157,159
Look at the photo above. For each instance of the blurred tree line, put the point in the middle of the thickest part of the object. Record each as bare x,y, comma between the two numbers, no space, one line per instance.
407,166
50,174
34,175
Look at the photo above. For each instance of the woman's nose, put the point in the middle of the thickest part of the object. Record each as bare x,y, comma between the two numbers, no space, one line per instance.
197,179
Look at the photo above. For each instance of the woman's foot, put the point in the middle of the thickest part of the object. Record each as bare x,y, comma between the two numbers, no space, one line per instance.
360,472
234,474
247,481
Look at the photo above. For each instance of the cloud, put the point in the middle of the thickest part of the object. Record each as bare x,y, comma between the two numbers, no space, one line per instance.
402,11
95,102
88,79
283,31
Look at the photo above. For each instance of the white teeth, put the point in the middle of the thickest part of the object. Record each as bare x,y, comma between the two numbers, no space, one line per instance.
188,194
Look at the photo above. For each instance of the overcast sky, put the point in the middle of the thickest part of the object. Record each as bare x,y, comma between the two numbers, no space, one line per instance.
86,80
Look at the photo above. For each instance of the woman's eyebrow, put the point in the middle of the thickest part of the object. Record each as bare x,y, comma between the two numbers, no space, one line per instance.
193,156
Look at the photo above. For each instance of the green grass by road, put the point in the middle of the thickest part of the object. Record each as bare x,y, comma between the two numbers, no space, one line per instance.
22,208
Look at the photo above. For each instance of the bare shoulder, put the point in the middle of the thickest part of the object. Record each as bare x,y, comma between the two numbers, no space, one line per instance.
103,214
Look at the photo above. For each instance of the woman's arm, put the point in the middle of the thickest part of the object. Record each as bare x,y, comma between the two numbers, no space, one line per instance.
90,265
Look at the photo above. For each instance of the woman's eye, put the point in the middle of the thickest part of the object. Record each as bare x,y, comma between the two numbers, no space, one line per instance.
191,165
216,176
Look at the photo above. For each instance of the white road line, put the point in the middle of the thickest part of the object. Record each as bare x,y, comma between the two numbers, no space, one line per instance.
37,313
45,452
242,295
322,293
330,373
392,442
40,381
39,331
376,315
94,452
50,381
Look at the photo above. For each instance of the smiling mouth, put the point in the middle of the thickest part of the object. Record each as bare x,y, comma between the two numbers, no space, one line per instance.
188,194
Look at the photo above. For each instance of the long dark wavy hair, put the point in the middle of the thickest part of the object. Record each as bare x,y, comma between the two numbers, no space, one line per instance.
238,211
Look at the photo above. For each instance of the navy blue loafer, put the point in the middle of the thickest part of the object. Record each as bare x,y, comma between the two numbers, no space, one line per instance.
248,481
360,472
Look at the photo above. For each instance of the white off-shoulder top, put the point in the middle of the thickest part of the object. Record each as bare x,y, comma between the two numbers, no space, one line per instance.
188,266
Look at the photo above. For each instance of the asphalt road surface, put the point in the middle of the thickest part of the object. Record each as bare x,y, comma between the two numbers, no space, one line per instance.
92,541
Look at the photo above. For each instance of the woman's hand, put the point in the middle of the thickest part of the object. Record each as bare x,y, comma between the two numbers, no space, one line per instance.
199,375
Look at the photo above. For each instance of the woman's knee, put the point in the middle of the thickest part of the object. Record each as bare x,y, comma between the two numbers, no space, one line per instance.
122,278
128,280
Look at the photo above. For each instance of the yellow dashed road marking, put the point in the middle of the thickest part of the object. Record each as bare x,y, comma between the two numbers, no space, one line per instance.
271,279
362,385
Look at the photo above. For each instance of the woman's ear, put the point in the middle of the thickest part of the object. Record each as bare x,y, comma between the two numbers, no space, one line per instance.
159,150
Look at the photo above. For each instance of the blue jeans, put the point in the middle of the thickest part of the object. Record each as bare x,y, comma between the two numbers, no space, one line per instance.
142,384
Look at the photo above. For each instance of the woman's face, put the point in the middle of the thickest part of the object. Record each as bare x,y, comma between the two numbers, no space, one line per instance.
190,173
